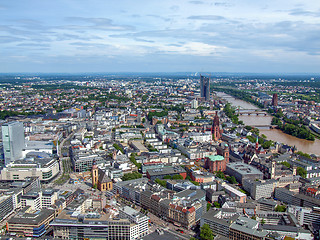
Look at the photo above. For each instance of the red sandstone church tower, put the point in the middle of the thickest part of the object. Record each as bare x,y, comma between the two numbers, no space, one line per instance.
216,128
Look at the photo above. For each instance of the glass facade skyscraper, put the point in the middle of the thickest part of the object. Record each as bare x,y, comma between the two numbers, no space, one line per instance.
205,87
13,141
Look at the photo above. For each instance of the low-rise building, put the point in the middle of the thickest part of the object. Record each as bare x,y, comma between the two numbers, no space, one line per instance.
39,165
246,228
243,171
128,225
259,188
216,163
217,222
31,223
161,172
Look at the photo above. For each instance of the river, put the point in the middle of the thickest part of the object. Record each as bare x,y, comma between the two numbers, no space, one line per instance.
272,134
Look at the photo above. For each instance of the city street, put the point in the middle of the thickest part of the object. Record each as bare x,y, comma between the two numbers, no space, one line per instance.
160,223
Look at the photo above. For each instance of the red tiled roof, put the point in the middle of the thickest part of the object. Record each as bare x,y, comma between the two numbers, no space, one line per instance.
192,209
155,197
179,208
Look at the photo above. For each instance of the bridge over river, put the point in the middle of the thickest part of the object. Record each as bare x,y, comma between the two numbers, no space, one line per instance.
263,126
257,112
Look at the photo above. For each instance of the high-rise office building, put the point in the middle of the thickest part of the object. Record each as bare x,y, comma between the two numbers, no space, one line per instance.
194,103
275,100
13,141
205,87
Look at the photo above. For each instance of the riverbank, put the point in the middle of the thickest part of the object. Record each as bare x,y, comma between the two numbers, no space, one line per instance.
242,95
276,135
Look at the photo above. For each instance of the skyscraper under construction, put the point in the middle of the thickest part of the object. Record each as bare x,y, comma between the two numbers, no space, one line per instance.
205,87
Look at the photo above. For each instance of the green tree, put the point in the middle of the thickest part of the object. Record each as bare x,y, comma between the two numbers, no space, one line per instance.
262,221
302,172
206,232
232,180
280,208
130,176
248,128
195,183
221,175
208,206
177,176
267,144
188,178
167,177
303,154
251,139
163,183
156,114
256,131
217,205
133,160
286,164
116,146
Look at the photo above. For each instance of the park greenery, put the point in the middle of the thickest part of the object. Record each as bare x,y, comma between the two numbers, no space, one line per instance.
231,113
151,148
162,183
302,172
303,154
220,175
232,180
133,160
292,127
116,146
280,208
131,176
157,114
217,205
286,164
194,182
206,232
5,114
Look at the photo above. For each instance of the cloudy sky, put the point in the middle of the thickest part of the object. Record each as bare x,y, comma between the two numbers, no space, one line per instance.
271,36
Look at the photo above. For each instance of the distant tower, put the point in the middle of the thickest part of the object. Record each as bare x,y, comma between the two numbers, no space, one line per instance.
205,87
216,128
194,103
114,155
257,144
294,171
275,100
223,150
13,141
94,173
273,170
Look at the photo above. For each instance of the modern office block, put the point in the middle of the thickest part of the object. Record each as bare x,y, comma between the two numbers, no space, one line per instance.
13,141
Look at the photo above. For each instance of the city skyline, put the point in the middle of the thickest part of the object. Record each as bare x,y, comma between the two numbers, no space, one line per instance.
167,36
